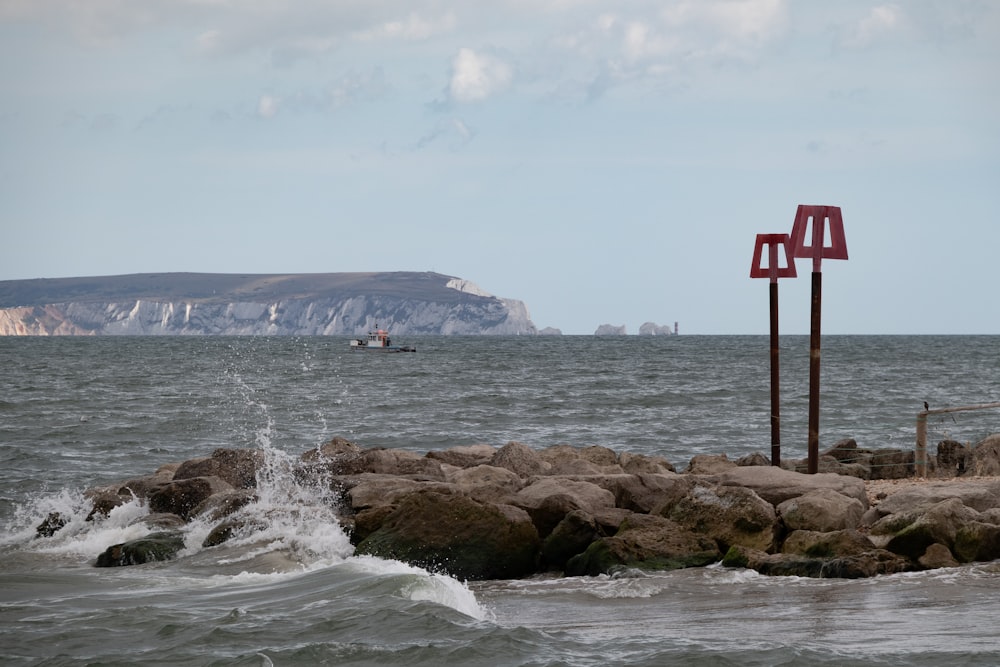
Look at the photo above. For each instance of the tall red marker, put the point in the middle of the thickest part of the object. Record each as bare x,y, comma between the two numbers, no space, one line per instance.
818,252
773,271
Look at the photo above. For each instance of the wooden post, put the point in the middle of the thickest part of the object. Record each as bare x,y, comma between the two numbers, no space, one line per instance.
775,380
812,466
920,454
773,271
817,250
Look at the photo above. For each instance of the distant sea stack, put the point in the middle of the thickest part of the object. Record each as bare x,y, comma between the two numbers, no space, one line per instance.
611,330
301,304
654,329
647,329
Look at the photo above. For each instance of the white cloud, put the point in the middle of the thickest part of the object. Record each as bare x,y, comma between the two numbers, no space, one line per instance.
267,106
477,76
413,27
638,42
749,19
208,41
880,21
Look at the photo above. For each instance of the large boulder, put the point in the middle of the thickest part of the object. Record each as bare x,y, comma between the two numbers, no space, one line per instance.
979,494
937,556
237,467
140,487
399,462
986,456
376,490
855,566
845,451
593,460
910,533
821,510
335,448
753,459
485,482
866,564
952,459
834,544
220,505
709,464
776,485
182,496
780,564
644,542
584,495
645,492
977,541
458,535
520,459
727,514
636,464
570,537
104,499
232,527
892,463
152,547
339,458
547,514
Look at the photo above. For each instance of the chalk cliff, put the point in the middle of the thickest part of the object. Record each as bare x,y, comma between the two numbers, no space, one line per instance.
406,303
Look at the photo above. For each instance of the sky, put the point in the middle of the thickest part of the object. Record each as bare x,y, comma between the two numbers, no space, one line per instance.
603,162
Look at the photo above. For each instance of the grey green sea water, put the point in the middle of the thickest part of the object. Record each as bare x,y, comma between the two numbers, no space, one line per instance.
81,412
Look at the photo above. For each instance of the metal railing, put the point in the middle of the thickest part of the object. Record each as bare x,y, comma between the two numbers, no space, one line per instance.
920,453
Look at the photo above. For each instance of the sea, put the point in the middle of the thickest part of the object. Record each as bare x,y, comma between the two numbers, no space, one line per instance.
82,412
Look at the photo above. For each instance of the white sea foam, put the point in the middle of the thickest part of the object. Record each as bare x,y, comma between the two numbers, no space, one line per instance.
421,585
83,538
297,521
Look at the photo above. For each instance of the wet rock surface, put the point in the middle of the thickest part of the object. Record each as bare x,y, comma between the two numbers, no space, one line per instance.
482,512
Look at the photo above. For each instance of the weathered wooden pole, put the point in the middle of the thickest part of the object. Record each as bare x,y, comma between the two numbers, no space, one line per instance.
817,251
920,453
814,359
773,272
775,379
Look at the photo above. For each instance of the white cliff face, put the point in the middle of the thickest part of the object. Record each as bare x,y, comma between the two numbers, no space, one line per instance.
477,315
467,286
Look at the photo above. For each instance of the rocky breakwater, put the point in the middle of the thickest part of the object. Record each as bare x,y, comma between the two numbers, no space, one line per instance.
483,512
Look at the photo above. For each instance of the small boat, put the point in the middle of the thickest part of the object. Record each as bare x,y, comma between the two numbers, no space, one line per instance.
378,341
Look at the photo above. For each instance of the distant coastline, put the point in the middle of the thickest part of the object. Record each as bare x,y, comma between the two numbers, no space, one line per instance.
407,303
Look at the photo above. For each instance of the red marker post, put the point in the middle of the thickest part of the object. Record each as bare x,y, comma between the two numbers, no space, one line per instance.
818,252
773,271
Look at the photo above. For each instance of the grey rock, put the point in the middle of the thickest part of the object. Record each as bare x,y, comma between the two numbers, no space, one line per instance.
237,467
182,496
776,485
520,459
729,515
822,510
458,535
151,548
645,542
584,495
